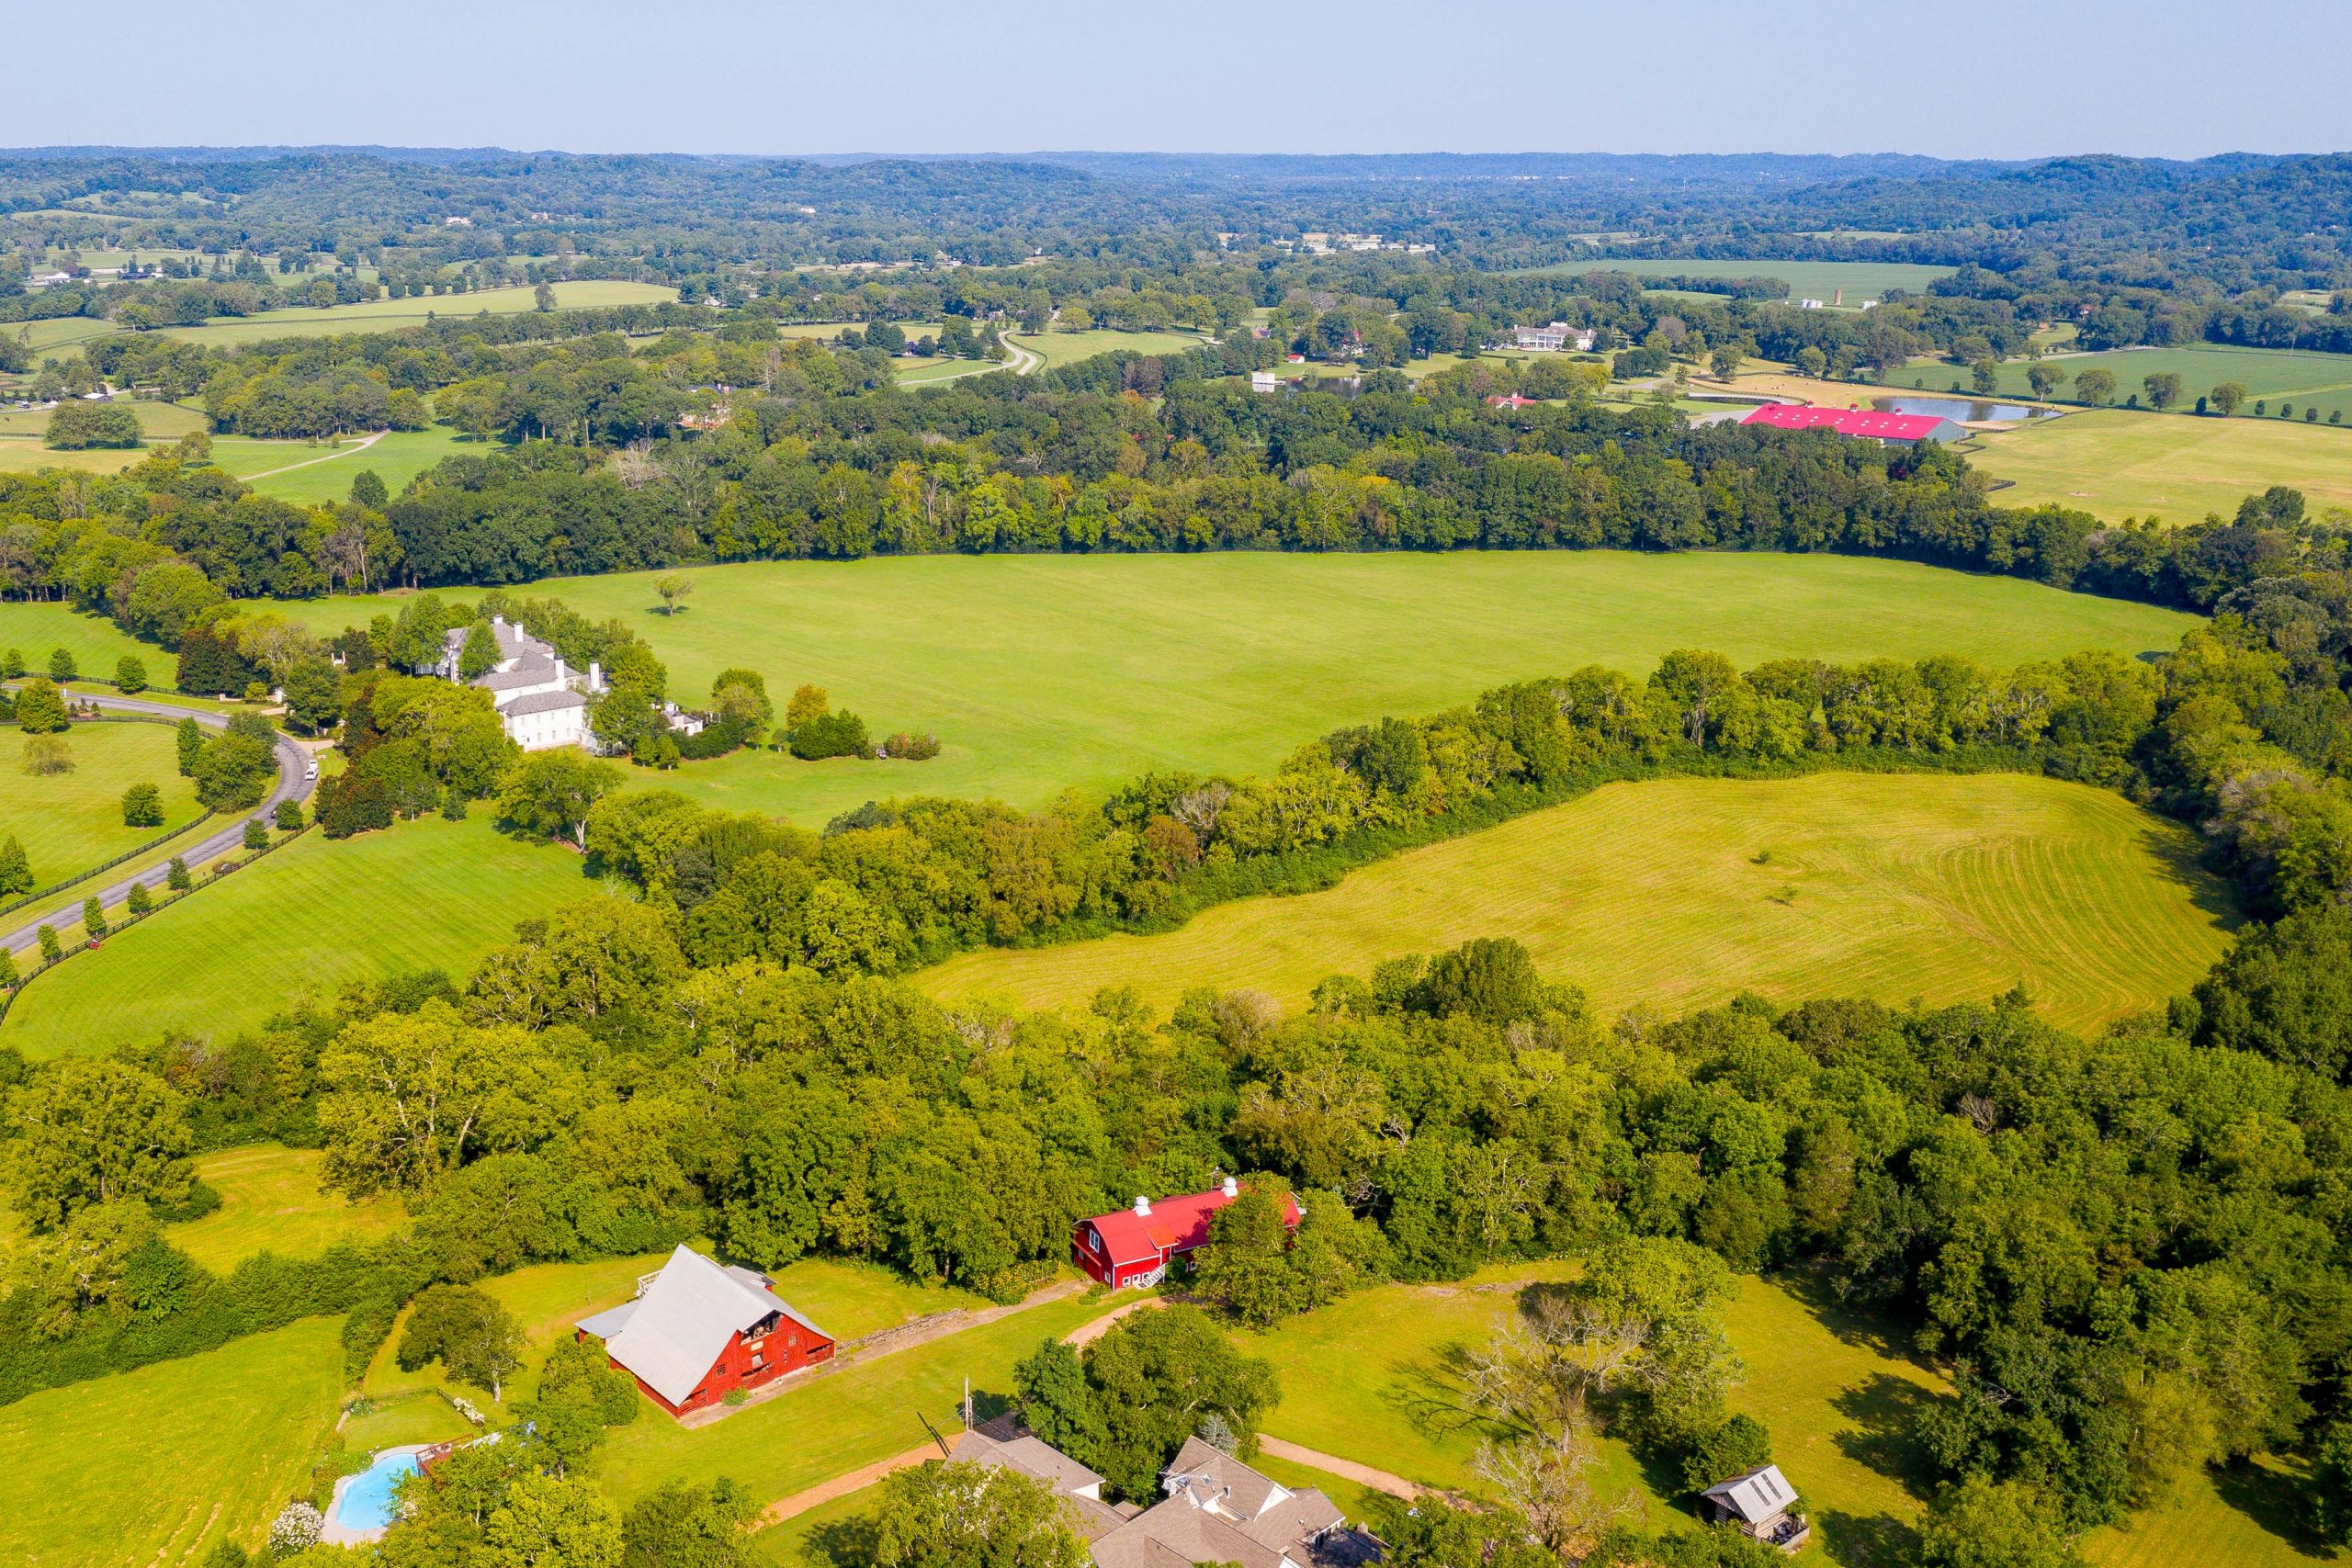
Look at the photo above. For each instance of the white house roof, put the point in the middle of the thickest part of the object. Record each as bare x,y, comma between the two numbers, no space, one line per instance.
543,702
676,1328
1756,1496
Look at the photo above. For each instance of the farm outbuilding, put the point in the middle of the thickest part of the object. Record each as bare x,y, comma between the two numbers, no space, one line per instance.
1865,424
698,1330
1135,1246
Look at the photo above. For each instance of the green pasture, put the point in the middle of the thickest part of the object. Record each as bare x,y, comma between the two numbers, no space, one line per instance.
35,627
1369,1379
1042,672
55,338
158,1466
312,473
2120,463
2297,375
270,1201
157,421
1806,279
306,920
1678,894
69,822
932,372
24,455
1062,348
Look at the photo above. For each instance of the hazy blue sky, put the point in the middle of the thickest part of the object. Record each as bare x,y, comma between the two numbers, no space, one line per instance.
1958,78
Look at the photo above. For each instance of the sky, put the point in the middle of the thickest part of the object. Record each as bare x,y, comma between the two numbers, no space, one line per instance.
1957,78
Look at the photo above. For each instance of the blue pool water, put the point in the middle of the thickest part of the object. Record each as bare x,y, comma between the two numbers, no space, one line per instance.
366,1504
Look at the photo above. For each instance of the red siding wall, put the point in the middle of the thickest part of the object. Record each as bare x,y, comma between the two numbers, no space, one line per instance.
788,1347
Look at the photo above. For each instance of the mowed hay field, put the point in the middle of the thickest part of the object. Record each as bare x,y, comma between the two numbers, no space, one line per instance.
70,822
157,1466
2118,463
1677,894
1044,672
307,921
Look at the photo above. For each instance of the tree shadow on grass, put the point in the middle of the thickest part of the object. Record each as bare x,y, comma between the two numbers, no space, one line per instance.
1887,1412
1846,1322
2273,1499
841,1543
1866,1541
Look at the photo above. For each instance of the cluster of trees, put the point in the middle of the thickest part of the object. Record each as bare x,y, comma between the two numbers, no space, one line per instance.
2116,1308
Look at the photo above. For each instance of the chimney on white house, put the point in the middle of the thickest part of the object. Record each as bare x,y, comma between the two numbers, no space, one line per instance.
559,668
1232,1187
1143,1206
595,676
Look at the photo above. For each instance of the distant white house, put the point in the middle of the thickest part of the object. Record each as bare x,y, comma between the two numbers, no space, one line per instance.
1261,381
1558,337
542,701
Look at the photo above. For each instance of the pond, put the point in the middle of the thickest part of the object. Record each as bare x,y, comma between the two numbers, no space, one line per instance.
1966,410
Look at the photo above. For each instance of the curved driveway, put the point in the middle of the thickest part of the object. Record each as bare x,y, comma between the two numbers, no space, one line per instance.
291,786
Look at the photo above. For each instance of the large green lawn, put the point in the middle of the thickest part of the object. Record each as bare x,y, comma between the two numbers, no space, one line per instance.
1061,348
1806,279
2302,378
310,918
157,1466
2118,463
69,822
1678,894
1042,672
270,1201
310,473
37,628
1368,1379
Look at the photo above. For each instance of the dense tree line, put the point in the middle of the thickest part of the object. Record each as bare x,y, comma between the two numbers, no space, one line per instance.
818,457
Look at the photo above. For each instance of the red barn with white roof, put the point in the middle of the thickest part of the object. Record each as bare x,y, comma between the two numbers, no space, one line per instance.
1134,1247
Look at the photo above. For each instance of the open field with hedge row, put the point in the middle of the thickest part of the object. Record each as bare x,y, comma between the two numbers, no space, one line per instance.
1044,672
2304,377
307,921
1806,279
270,1201
1677,894
2118,463
158,1466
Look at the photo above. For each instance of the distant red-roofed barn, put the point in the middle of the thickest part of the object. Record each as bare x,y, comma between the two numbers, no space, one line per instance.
1134,1247
1867,424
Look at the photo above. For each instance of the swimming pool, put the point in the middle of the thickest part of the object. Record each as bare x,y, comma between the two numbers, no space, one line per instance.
363,1505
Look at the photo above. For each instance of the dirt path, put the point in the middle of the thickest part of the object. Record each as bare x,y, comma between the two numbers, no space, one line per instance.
364,442
865,1475
1026,361
1087,1333
1345,1469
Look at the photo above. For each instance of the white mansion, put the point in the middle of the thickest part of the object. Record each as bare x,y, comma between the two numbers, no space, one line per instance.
542,701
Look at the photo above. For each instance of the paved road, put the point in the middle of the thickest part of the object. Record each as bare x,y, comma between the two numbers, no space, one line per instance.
291,786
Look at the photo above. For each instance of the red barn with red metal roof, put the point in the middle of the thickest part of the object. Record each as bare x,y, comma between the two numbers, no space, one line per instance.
1134,1247
1868,425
